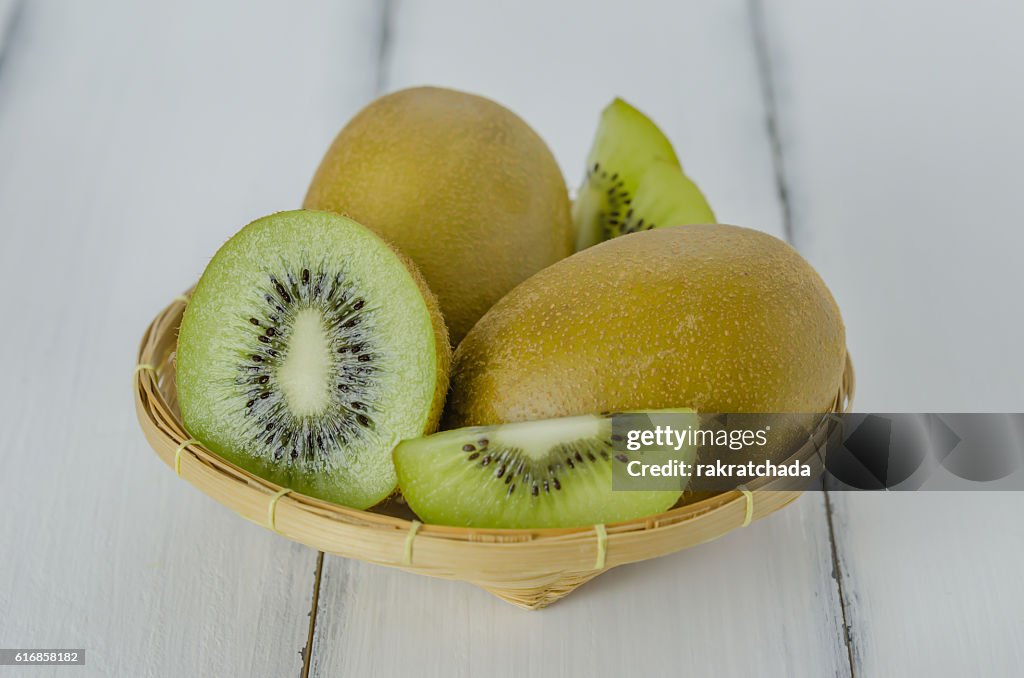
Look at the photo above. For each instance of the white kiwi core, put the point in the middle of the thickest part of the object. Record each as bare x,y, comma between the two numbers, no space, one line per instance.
537,438
304,374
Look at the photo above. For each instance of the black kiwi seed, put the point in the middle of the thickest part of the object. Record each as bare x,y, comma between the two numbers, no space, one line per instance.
300,439
534,490
500,471
621,457
468,447
558,485
284,294
473,456
511,489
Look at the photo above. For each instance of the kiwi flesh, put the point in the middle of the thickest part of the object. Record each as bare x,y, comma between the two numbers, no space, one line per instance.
632,159
308,350
528,475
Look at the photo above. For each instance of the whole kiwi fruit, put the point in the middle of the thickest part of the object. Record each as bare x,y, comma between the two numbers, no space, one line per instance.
711,317
457,182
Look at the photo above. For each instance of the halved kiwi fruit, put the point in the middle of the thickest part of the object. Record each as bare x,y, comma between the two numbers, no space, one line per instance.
307,352
537,474
629,160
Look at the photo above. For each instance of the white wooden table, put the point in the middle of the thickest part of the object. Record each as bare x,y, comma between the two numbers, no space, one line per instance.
885,140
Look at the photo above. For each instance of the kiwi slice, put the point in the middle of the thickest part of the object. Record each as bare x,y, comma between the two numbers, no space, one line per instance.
307,352
631,157
548,473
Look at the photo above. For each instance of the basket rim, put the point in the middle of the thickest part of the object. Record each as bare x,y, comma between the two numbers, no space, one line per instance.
208,471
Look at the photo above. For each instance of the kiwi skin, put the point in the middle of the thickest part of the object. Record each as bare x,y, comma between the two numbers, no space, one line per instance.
712,317
442,344
457,182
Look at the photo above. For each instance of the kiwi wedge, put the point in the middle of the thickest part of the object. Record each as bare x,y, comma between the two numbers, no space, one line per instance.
307,352
537,474
633,181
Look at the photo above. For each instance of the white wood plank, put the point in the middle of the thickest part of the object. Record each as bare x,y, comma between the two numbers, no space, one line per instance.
691,68
902,141
756,602
760,601
134,139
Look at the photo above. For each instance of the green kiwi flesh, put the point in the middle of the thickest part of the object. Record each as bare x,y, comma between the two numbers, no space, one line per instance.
626,148
526,475
307,351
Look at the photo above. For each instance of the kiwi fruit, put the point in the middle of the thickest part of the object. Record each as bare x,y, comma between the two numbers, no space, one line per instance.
457,182
537,474
308,350
633,181
715,318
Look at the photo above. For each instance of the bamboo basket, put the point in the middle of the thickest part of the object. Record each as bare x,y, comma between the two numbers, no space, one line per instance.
528,568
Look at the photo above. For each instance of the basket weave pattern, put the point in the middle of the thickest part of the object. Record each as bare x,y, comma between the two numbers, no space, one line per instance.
528,568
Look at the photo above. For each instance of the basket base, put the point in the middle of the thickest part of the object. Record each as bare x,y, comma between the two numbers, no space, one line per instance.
538,598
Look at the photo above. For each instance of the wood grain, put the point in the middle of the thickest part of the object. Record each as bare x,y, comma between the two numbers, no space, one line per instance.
762,599
134,139
902,152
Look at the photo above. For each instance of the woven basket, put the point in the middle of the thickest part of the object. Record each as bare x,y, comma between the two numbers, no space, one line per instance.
528,568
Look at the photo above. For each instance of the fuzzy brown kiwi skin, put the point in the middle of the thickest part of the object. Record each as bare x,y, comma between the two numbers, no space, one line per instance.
712,317
442,345
457,182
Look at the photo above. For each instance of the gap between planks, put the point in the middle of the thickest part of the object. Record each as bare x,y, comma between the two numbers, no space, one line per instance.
384,37
10,14
762,52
